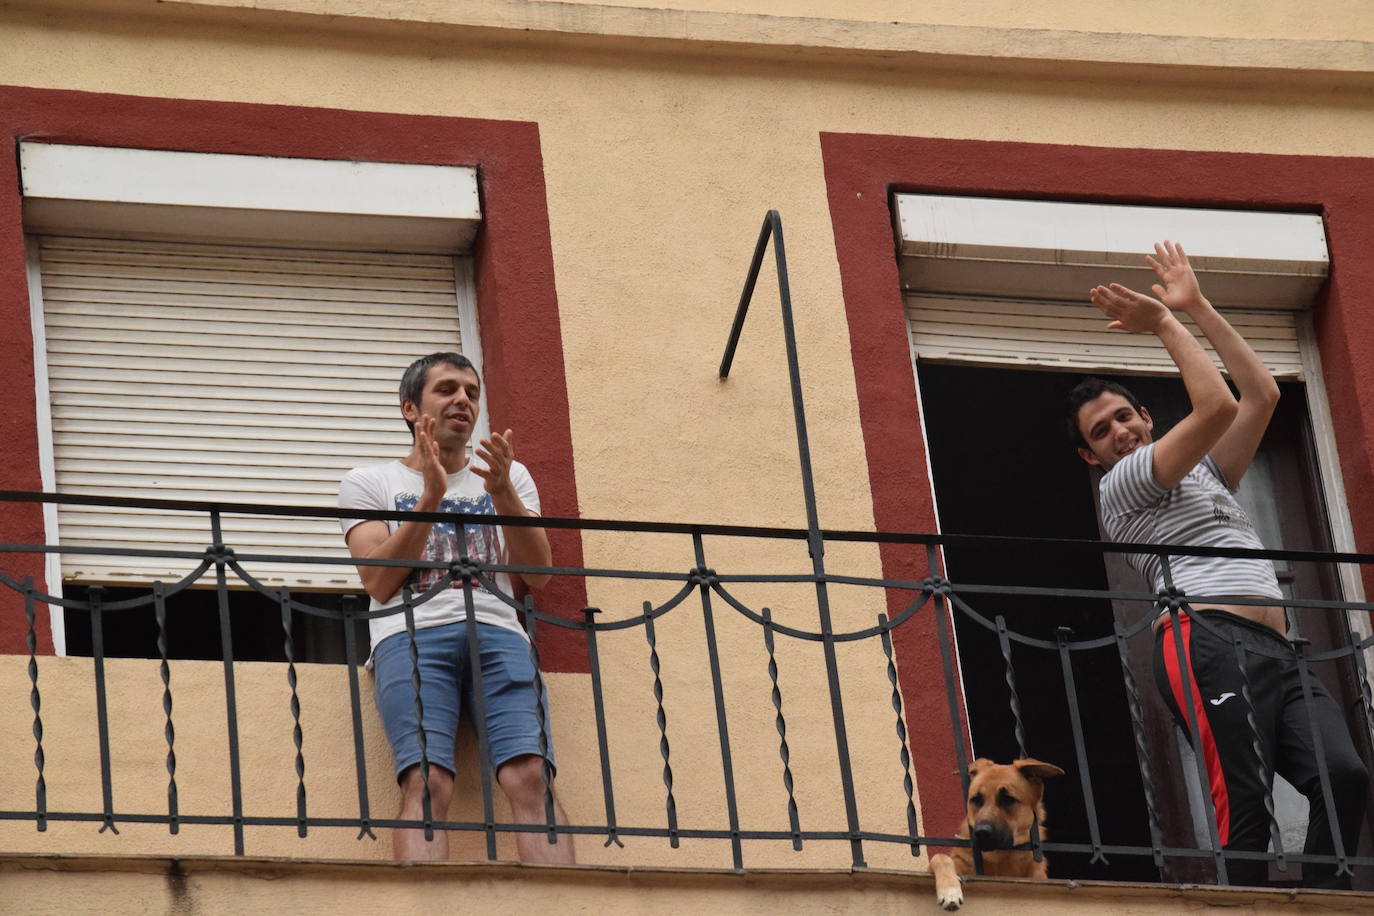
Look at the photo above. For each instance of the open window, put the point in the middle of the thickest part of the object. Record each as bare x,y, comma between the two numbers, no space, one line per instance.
232,328
1000,331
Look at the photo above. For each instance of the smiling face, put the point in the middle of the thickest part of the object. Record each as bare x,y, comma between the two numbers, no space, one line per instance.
450,396
1112,428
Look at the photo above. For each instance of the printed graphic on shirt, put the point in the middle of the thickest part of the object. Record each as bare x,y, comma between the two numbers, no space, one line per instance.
480,542
1226,511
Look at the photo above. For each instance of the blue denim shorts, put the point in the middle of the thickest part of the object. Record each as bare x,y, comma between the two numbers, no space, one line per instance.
446,682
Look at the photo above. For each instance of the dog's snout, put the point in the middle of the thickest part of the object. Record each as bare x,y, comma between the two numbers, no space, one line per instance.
985,836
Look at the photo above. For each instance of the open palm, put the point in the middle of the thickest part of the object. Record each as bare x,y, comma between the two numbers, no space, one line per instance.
1177,287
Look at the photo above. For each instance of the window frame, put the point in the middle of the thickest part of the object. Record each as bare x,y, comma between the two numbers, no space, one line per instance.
863,171
515,292
464,317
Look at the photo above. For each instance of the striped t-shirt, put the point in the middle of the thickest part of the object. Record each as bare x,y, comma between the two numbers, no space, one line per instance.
1200,512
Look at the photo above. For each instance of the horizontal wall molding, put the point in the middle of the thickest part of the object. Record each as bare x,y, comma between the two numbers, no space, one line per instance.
761,33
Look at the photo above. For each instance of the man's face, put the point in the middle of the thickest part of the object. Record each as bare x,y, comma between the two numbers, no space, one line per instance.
450,397
1112,428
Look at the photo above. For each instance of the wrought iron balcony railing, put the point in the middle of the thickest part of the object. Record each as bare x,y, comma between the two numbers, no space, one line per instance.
702,587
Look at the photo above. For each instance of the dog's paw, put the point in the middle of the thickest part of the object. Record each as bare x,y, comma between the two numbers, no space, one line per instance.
950,898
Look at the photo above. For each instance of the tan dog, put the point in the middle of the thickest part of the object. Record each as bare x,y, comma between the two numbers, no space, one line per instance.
1003,801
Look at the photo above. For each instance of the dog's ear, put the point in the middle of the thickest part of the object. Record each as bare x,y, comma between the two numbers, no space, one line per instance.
978,764
1035,769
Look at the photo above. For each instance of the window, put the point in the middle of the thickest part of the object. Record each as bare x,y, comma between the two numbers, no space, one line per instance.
862,172
994,298
255,363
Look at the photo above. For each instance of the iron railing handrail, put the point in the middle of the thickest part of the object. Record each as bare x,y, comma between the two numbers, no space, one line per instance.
630,526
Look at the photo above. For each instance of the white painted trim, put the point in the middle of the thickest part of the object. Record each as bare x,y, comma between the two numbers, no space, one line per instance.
995,248
1333,484
137,176
1328,459
47,465
111,192
471,333
935,508
1270,238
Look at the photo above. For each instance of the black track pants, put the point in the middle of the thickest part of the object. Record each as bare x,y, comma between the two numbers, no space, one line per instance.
1285,723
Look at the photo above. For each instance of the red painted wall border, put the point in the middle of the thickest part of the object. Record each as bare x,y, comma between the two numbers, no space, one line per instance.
863,170
517,305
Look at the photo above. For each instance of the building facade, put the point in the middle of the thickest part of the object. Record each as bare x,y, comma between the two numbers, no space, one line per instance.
228,225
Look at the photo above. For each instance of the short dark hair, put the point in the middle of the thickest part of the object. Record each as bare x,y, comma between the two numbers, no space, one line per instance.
413,381
1090,389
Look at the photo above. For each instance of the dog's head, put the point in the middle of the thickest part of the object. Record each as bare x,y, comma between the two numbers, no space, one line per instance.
1004,799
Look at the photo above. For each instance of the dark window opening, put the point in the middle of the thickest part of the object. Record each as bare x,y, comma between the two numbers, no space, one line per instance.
193,627
1002,465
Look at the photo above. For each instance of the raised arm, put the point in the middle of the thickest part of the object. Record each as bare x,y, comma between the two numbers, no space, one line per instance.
1213,407
524,546
372,540
1178,288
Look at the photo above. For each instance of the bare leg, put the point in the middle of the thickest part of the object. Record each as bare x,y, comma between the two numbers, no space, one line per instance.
523,782
410,844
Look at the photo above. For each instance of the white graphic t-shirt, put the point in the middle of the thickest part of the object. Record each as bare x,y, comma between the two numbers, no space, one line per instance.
393,486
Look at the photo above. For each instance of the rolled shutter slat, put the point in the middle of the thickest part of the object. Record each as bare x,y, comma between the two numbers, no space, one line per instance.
1067,335
232,373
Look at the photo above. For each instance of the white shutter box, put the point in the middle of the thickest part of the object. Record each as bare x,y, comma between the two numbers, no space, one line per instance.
229,373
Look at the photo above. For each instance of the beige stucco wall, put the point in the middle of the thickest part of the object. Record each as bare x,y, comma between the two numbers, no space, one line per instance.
660,162
139,777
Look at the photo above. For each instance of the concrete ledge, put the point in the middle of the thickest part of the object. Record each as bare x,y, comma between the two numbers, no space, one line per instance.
50,884
871,39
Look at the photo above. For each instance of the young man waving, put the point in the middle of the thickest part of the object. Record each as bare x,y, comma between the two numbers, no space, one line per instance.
1179,489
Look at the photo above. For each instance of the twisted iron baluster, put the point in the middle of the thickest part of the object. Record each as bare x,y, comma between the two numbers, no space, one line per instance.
602,733
297,736
168,730
907,785
1015,698
673,838
426,805
703,577
102,717
1362,675
223,554
540,698
347,615
1014,701
1257,745
1063,635
781,724
940,589
1141,753
1323,768
36,701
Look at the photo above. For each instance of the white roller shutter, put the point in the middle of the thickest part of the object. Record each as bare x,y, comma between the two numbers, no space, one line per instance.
1005,282
233,373
1073,336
